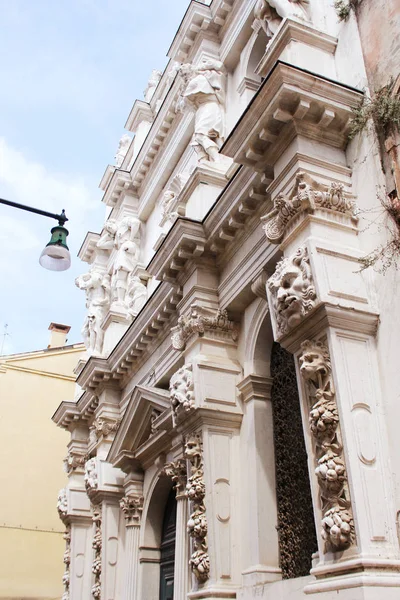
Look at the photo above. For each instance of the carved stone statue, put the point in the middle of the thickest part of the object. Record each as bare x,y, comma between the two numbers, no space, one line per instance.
181,392
97,288
292,291
127,239
123,146
136,296
204,91
269,13
91,481
152,84
62,503
107,238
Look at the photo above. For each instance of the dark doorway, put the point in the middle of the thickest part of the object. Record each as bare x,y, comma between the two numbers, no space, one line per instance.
167,560
296,529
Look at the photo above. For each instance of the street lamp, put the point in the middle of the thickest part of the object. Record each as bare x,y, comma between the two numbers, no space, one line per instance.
55,256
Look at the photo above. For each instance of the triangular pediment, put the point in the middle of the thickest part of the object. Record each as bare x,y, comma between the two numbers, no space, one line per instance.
135,428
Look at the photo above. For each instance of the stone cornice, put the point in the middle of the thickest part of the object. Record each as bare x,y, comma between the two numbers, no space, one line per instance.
119,181
185,240
291,102
88,247
141,111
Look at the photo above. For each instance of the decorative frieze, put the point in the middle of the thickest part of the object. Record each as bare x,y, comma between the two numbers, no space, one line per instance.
177,471
182,392
91,479
306,196
337,522
291,290
97,545
199,320
197,523
132,507
67,562
62,504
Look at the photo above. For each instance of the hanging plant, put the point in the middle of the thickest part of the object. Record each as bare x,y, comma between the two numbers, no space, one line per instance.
344,7
384,110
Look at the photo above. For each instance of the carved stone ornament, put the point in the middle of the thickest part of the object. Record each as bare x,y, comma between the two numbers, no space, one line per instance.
67,562
197,523
177,471
181,392
306,196
74,461
62,504
96,284
199,320
96,545
127,245
292,291
91,480
337,521
103,427
269,13
132,507
123,147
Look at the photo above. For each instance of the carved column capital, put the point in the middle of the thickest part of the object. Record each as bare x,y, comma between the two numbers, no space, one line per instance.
132,507
199,320
177,471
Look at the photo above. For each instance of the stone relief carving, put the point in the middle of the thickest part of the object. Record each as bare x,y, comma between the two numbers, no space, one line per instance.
127,243
136,295
153,417
292,291
91,479
177,471
102,427
307,196
74,461
132,507
152,84
96,545
97,287
171,193
123,146
197,523
337,521
67,562
181,393
269,13
107,237
203,90
199,320
62,504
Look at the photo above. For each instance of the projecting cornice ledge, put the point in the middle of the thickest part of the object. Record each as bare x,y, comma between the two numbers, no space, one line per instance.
291,102
185,240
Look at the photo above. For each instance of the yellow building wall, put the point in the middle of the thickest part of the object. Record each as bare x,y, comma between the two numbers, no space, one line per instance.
32,450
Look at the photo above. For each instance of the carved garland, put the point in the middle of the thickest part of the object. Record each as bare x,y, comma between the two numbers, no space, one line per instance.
306,196
337,522
292,291
91,480
96,545
197,523
181,393
132,507
67,562
62,504
199,320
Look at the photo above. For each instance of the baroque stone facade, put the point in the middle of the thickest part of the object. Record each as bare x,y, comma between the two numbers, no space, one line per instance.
235,427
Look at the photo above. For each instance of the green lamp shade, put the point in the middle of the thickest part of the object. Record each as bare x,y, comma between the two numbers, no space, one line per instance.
56,256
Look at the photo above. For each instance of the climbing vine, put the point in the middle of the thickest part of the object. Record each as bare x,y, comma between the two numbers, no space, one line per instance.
383,108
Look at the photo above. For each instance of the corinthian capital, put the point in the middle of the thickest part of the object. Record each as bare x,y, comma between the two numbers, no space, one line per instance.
132,507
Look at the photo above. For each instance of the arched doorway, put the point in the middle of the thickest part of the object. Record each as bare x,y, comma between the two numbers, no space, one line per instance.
167,548
296,528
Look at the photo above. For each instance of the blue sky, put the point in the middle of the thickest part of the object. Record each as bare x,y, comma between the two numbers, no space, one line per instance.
69,73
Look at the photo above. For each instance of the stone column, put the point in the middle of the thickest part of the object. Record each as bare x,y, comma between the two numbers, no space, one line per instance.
132,506
178,472
322,310
260,504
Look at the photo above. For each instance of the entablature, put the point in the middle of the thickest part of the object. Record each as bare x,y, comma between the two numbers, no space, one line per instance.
88,248
119,181
291,102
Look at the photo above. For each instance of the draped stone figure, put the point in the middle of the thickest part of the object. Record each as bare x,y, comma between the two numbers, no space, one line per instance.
204,92
269,13
123,146
136,295
127,243
97,288
107,238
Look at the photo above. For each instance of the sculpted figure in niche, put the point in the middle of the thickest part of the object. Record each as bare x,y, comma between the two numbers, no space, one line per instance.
123,146
137,295
292,290
107,238
204,92
127,243
97,288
